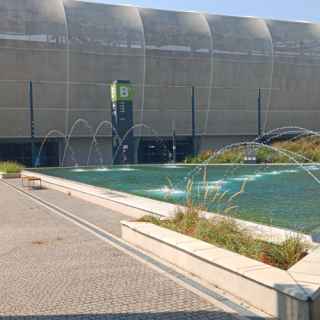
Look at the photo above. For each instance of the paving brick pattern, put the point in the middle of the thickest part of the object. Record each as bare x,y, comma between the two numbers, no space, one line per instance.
52,269
104,218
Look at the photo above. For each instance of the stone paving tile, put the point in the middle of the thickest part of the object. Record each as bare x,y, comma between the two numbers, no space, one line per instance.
52,269
102,217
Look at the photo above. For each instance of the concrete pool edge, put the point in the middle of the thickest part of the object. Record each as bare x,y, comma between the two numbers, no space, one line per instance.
288,295
138,206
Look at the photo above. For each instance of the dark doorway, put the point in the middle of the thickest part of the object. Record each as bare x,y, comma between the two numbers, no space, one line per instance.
21,153
161,150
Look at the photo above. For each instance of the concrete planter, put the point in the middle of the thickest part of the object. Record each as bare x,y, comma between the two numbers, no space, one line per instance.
287,295
4,175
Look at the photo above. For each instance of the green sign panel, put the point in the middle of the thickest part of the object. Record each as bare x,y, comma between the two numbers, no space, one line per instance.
122,122
121,91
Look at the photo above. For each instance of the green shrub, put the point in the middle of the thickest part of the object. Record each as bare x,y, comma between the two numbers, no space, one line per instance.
187,221
150,219
227,234
10,167
235,155
208,156
308,147
200,158
287,253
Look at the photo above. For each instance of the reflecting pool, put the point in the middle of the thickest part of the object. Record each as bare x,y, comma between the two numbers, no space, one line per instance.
279,195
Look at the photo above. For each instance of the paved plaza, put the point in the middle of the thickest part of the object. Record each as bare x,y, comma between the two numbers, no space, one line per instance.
51,268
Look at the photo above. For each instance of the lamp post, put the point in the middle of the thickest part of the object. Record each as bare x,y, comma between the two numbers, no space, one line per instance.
174,144
193,121
259,114
32,128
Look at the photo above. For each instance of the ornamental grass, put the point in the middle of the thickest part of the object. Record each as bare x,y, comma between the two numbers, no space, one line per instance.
10,167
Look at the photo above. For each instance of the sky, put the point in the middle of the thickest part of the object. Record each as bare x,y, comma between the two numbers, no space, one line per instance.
302,10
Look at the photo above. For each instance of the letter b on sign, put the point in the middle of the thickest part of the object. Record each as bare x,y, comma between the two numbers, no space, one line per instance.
121,91
124,92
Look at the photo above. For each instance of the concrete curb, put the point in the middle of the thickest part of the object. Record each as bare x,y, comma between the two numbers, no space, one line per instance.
274,291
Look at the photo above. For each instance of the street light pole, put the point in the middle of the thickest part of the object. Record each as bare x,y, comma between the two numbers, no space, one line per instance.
174,144
32,129
193,121
259,114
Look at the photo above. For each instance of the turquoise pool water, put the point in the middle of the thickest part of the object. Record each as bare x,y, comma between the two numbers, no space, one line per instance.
284,196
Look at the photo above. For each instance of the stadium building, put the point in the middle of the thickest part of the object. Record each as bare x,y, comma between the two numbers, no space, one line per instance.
72,51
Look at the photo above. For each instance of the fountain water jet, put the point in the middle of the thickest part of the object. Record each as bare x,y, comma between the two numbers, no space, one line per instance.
94,139
45,140
286,153
297,134
287,130
155,133
76,123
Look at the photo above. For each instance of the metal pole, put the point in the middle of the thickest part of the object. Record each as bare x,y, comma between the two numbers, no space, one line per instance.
32,124
193,121
174,145
259,114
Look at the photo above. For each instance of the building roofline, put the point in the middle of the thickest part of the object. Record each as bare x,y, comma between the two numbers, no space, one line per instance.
197,12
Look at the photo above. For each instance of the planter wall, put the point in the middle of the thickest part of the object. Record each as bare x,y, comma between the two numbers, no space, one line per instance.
4,175
287,295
